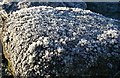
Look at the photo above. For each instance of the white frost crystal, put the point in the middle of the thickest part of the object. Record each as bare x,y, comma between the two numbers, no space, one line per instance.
112,33
23,4
59,49
47,41
32,47
109,34
30,59
83,42
5,39
3,14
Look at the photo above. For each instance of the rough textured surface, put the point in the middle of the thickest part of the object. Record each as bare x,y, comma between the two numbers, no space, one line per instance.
0,58
108,9
1,23
13,6
46,41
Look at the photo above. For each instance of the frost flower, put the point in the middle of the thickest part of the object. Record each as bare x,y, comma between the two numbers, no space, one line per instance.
112,33
108,34
83,42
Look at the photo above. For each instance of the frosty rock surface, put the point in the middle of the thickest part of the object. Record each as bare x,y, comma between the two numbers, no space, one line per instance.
47,41
13,6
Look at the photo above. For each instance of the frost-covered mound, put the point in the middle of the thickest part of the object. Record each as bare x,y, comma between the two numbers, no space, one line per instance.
13,6
46,41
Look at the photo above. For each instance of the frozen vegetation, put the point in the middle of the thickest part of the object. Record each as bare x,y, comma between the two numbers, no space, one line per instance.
47,41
